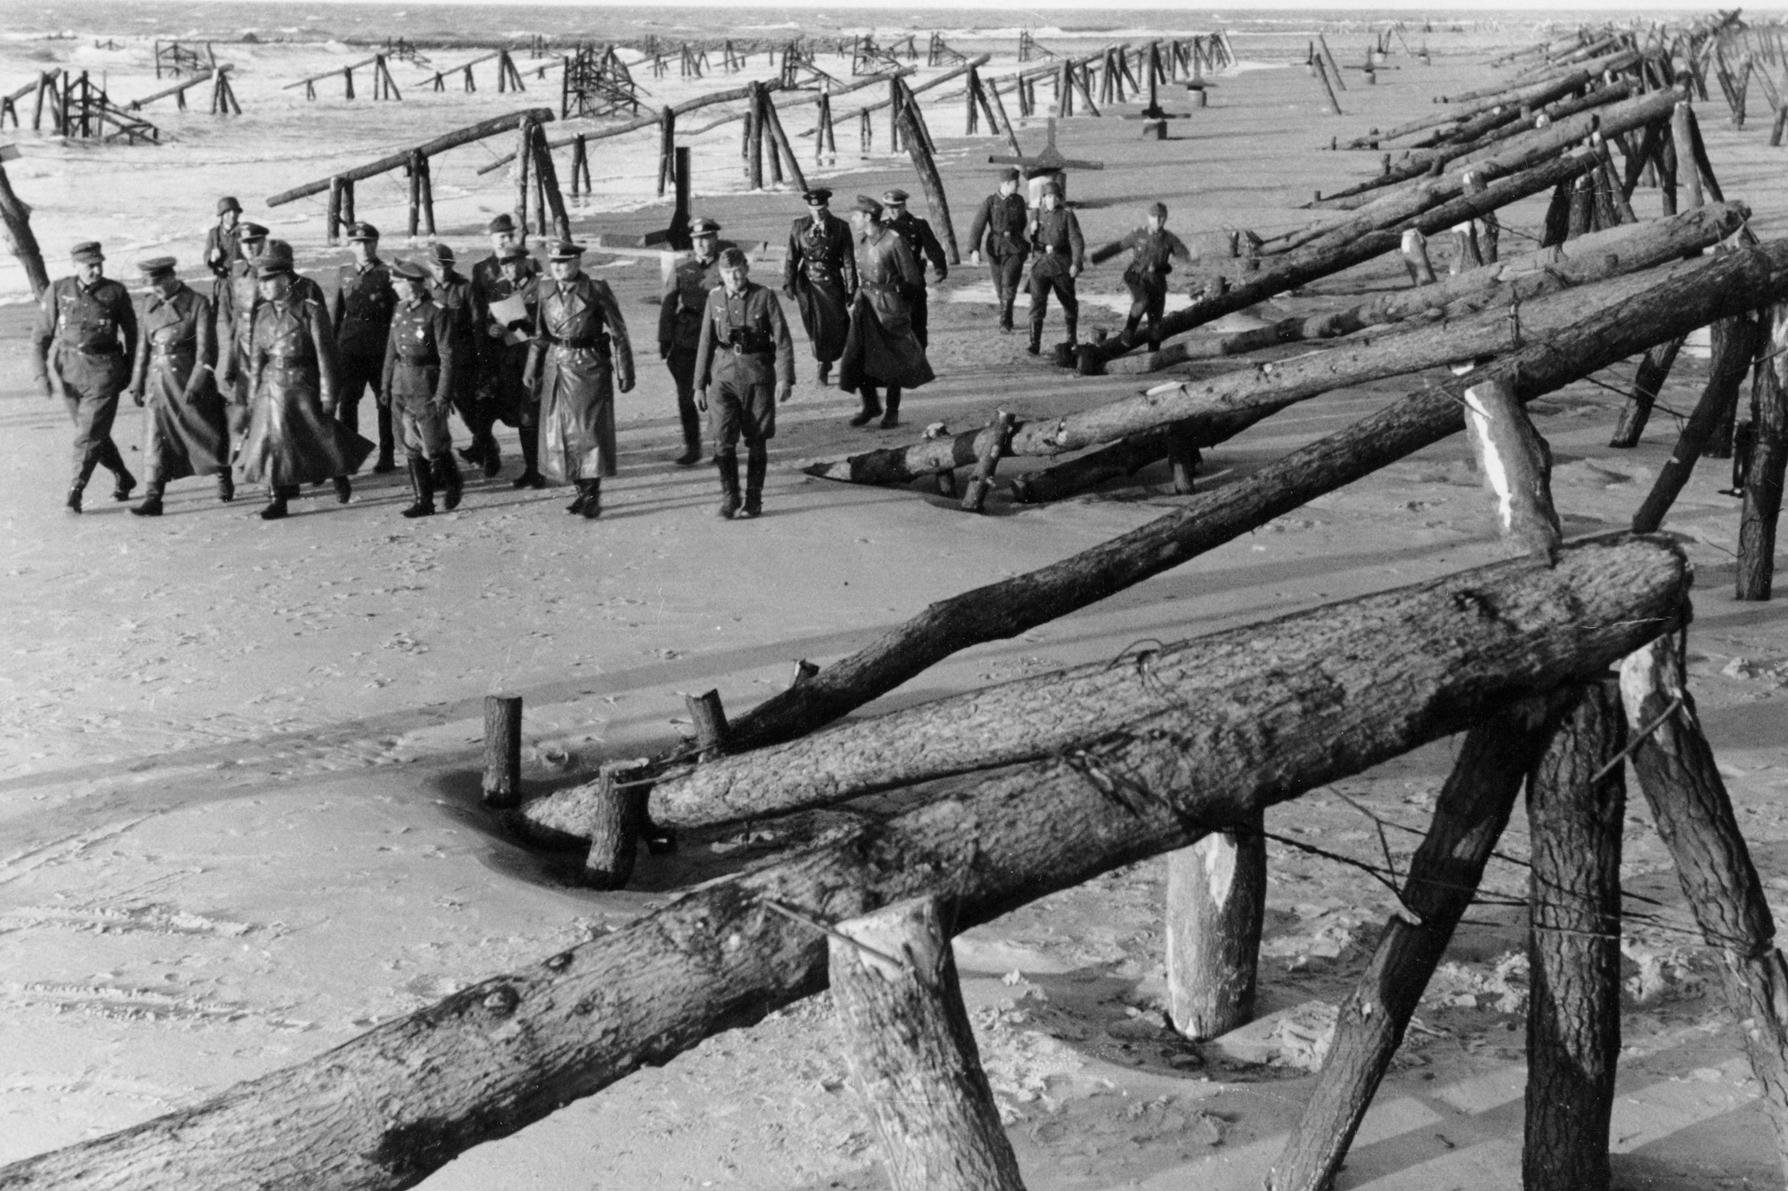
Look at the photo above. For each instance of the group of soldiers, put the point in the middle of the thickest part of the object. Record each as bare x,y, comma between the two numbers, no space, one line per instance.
267,374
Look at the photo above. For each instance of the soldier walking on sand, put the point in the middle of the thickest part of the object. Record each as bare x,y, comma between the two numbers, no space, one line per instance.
421,356
185,430
1154,247
504,354
233,298
1054,233
90,320
579,357
882,351
360,316
922,243
680,312
745,356
1002,219
452,292
221,247
819,275
292,437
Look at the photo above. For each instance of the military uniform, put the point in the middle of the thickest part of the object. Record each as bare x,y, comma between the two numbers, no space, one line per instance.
1146,279
93,330
579,355
360,314
883,351
185,429
743,352
819,275
223,248
234,365
421,362
922,244
292,436
1002,219
497,366
1061,252
452,292
680,312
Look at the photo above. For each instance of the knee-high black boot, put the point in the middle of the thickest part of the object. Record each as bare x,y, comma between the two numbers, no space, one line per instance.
891,418
757,462
151,506
422,488
123,482
387,460
592,500
78,485
726,461
448,477
530,449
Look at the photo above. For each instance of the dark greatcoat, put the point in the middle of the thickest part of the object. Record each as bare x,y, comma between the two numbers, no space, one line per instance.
186,431
293,437
579,353
882,349
819,274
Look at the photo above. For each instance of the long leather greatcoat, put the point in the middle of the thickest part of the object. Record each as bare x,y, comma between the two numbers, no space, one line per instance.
185,431
292,437
580,352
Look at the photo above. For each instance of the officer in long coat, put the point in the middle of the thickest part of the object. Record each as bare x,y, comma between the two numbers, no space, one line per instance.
1054,234
360,315
496,363
883,351
922,243
819,275
452,292
1001,223
185,431
580,356
292,437
503,350
89,319
680,312
233,298
1153,248
744,368
421,357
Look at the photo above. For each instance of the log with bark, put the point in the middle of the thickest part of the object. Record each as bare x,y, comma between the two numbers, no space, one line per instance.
1677,774
1685,297
1469,817
1223,396
1768,461
1347,247
1576,800
1622,249
1734,346
1393,671
1216,904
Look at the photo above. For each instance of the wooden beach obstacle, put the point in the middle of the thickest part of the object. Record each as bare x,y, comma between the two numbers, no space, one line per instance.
596,83
383,85
416,164
77,108
508,76
175,58
223,96
15,220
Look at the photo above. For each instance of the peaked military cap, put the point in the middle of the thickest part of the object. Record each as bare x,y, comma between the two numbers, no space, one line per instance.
894,198
705,227
273,266
87,252
512,252
228,203
408,270
500,223
818,196
440,252
866,204
363,231
278,250
252,231
156,265
565,250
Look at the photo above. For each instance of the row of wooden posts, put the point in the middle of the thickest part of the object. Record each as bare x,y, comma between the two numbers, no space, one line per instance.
72,105
1146,756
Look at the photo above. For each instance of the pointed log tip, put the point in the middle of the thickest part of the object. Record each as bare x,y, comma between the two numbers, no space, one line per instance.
832,469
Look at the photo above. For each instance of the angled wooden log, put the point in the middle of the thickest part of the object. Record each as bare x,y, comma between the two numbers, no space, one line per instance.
1734,345
1648,382
1624,249
912,1054
1348,246
1512,284
1681,298
1769,460
1516,466
1469,817
1681,782
1394,671
1576,800
401,160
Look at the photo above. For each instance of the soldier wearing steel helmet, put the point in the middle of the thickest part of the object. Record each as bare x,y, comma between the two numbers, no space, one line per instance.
221,247
1153,248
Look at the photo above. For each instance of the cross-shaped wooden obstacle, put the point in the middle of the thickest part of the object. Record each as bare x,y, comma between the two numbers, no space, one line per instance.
1049,164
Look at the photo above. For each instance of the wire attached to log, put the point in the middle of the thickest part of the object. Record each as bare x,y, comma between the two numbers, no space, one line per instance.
834,933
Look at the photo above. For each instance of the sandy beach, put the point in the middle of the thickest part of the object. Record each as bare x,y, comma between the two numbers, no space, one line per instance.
239,814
